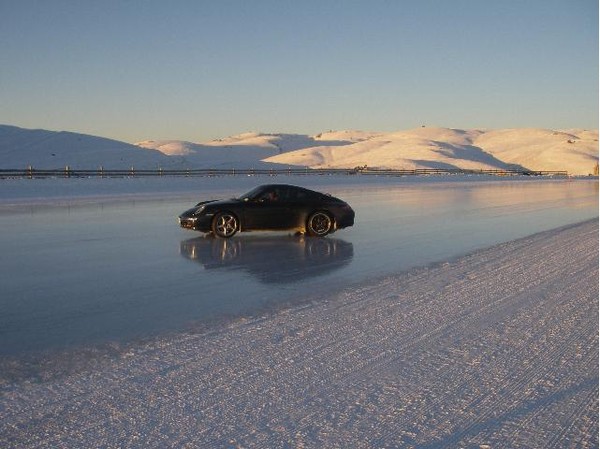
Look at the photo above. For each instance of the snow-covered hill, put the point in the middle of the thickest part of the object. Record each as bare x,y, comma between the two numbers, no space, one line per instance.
574,150
241,151
536,149
39,148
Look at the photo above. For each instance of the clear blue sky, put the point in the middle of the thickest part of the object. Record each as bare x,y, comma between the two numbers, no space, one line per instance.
198,70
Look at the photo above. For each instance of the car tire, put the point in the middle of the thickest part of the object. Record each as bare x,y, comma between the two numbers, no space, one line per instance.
319,224
225,225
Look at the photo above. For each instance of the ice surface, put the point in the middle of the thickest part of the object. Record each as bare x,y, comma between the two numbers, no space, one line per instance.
88,269
496,349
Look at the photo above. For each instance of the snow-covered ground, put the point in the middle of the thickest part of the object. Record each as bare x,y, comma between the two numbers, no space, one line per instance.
495,349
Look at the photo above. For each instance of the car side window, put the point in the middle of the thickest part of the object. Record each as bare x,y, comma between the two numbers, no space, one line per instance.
298,195
303,195
271,195
284,194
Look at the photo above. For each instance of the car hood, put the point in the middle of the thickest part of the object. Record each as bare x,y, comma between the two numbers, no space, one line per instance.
219,202
202,203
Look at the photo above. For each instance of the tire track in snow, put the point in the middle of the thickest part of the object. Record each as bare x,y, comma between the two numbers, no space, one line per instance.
362,372
532,372
526,379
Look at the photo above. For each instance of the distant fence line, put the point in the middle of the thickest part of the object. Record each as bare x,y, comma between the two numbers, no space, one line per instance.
67,172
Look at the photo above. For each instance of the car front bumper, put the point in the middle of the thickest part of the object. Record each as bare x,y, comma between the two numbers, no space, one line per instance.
196,223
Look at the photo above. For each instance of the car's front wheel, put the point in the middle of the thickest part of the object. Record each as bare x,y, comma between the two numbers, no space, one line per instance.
319,224
225,225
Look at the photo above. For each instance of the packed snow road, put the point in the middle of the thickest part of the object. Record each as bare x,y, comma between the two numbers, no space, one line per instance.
495,349
85,271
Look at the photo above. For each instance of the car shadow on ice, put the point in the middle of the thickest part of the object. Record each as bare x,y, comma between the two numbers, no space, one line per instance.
271,259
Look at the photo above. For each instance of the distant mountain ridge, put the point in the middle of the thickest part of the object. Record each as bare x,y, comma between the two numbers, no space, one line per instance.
574,150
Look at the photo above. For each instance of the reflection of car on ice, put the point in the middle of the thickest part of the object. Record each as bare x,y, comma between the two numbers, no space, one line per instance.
272,259
270,207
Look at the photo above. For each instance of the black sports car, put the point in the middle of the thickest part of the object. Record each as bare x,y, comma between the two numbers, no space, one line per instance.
270,207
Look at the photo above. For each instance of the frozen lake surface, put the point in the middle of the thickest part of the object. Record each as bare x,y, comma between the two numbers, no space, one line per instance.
76,274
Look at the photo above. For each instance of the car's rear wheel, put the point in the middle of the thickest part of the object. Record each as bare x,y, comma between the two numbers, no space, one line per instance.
225,225
319,224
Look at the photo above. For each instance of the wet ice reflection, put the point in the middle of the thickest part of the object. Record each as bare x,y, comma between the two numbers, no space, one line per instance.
273,259
79,275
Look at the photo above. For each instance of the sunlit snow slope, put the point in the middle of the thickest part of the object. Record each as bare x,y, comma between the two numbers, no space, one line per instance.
575,151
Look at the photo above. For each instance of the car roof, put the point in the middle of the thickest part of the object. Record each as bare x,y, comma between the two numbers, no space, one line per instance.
287,185
312,192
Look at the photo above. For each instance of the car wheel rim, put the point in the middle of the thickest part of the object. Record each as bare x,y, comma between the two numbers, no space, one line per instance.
320,224
226,225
